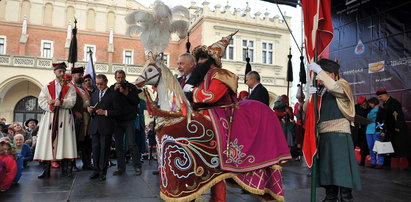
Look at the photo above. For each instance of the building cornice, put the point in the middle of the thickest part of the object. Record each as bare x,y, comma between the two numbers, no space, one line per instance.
246,31
84,32
112,5
239,23
19,61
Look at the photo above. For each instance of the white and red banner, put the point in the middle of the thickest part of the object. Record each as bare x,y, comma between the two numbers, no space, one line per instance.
318,31
318,27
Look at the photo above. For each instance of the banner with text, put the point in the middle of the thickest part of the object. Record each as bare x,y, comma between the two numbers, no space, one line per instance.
372,42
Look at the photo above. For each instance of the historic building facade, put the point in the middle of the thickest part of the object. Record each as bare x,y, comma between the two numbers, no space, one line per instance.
36,33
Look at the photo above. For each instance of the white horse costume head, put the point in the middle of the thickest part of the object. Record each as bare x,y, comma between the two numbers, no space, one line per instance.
171,97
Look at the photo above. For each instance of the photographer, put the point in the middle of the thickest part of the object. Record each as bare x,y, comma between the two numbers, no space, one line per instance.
125,126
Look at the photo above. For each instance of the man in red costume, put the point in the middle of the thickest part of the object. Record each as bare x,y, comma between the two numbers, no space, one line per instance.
82,117
220,92
214,95
56,138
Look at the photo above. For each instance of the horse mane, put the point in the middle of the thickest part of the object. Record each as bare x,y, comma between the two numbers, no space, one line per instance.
174,88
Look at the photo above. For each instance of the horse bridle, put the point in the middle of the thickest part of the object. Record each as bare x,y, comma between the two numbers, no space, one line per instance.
154,76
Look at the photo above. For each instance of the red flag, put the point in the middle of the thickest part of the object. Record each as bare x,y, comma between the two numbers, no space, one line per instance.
310,139
318,31
317,26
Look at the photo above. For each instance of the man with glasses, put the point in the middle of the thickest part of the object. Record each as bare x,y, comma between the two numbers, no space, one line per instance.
104,109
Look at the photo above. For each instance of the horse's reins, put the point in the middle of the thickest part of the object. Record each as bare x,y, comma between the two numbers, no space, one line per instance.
152,77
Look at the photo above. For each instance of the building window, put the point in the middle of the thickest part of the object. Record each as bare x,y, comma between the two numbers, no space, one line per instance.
267,53
229,52
46,49
128,57
87,48
27,108
250,45
2,45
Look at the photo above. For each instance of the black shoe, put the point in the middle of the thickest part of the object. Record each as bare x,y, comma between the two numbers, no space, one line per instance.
46,170
87,167
102,177
70,166
44,174
156,172
331,194
75,169
346,195
118,172
63,166
94,176
138,171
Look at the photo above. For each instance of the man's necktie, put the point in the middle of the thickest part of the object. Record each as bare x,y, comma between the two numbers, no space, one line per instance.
183,81
101,96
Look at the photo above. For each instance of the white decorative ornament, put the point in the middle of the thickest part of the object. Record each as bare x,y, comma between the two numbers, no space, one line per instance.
155,28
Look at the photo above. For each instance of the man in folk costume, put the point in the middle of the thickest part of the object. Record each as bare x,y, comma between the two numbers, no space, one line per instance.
81,116
56,138
300,119
214,95
338,169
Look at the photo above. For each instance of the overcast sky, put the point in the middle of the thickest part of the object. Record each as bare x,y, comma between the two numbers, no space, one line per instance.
255,5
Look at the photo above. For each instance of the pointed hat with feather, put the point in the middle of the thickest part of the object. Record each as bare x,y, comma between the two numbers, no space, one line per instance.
215,50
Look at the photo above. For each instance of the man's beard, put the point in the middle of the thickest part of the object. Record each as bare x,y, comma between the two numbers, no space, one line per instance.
79,81
60,78
197,76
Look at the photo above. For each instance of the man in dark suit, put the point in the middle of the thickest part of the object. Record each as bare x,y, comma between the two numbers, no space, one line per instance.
104,108
395,127
258,91
126,124
186,64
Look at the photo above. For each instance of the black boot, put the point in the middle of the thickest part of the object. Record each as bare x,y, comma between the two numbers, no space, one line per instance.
362,163
63,165
346,195
331,192
87,162
46,170
73,166
69,168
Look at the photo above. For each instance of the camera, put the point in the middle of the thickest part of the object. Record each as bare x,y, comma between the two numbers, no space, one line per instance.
123,85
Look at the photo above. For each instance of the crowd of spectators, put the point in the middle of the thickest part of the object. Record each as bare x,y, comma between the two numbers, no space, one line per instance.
16,150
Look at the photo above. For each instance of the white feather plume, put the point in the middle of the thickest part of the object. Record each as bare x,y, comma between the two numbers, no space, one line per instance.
133,29
161,10
155,28
180,27
181,10
138,16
